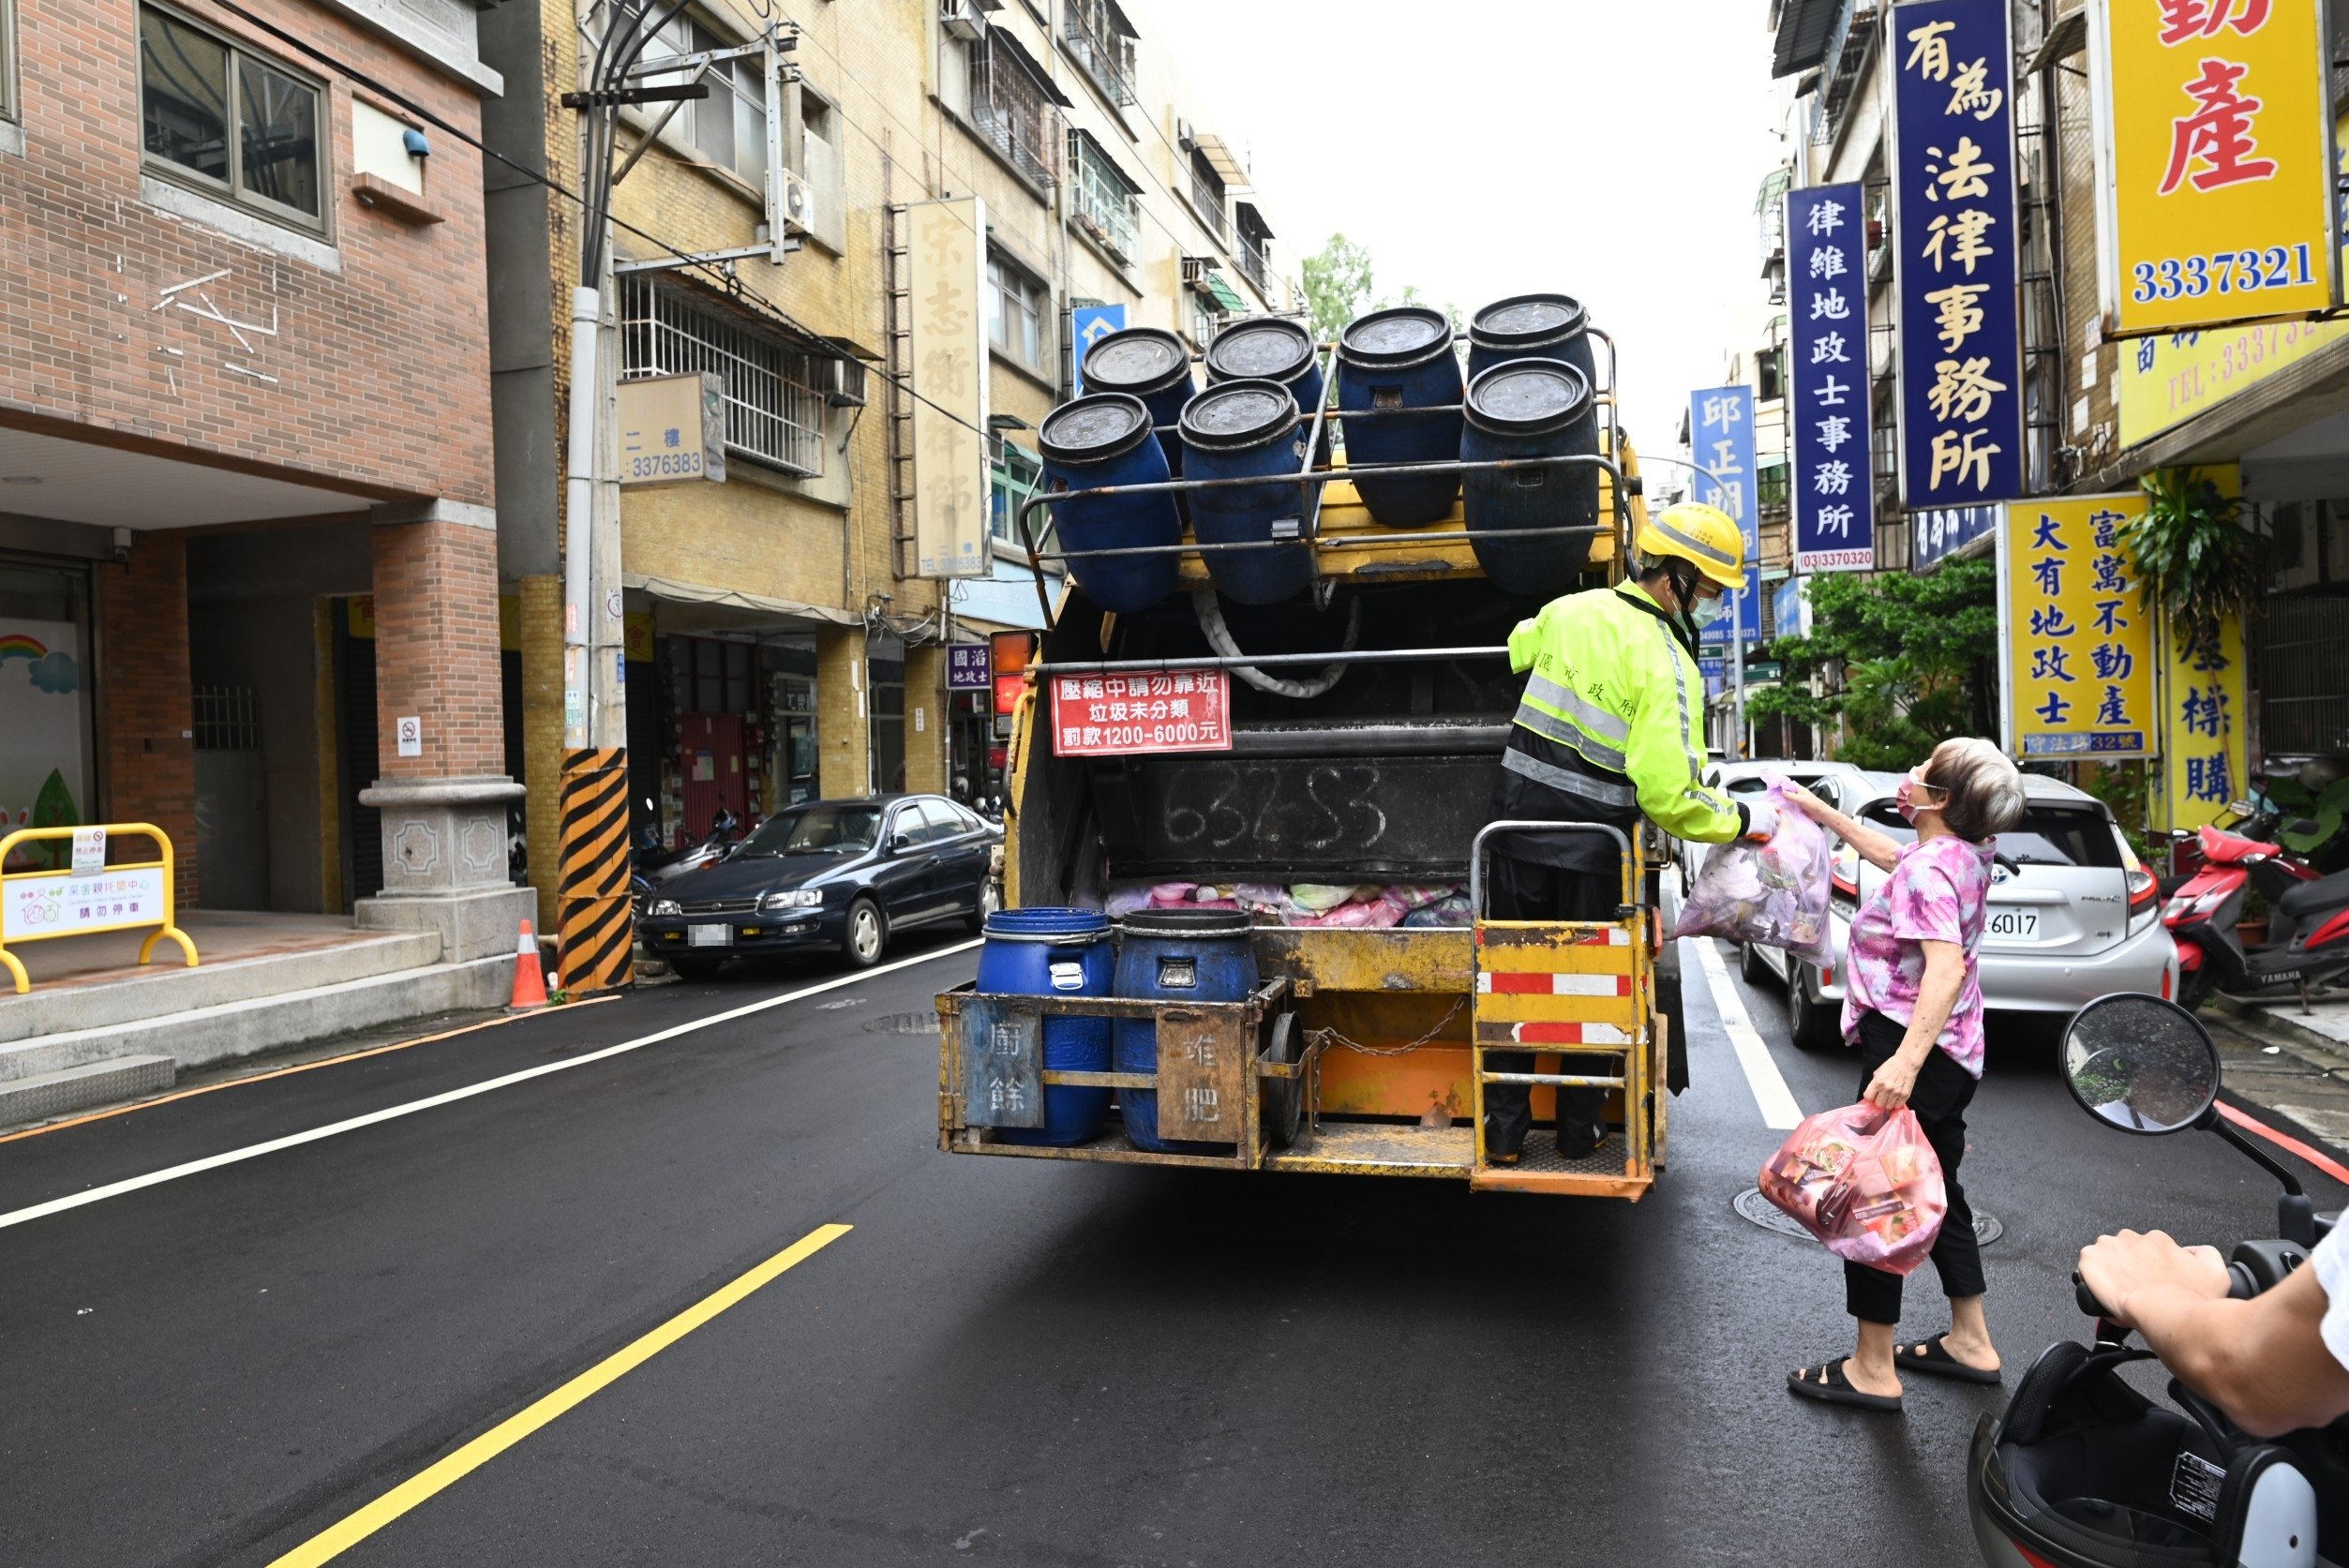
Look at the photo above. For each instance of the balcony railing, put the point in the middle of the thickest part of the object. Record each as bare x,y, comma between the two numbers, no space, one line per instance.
1107,57
1207,195
1017,132
1105,208
1249,258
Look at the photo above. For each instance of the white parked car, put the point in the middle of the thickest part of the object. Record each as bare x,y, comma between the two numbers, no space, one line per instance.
1745,782
2073,914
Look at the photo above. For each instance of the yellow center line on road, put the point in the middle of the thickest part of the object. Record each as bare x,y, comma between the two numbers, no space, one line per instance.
332,1543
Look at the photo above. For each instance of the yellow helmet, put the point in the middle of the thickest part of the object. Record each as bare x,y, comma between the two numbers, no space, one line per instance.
1705,536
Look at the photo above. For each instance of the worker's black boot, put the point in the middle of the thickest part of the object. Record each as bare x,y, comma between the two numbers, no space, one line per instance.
1581,1121
1508,1108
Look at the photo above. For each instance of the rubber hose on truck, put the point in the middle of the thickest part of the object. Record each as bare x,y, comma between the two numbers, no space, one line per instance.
1210,613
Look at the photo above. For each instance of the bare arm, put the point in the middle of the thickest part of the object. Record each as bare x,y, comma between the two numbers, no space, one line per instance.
2262,1360
1878,849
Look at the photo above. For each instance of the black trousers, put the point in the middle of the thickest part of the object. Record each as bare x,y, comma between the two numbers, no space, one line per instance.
1943,1091
1528,891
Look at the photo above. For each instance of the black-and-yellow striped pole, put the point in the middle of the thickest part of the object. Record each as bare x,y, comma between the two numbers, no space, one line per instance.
597,942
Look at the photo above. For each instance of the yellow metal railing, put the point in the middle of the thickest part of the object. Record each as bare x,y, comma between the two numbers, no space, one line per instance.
38,905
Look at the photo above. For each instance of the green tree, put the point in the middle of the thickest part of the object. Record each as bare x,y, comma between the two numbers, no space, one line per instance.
1338,287
1906,661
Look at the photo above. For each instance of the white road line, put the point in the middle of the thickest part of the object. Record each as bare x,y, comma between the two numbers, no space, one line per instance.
1776,1102
254,1151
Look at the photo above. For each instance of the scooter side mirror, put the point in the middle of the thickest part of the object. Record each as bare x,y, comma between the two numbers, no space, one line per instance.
2141,1063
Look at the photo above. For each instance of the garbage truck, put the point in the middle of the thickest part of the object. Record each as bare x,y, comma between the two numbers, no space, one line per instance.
1326,764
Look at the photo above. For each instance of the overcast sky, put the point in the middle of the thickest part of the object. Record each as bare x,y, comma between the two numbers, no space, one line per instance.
1607,149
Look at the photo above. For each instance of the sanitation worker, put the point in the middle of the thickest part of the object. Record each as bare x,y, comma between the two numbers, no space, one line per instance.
1609,730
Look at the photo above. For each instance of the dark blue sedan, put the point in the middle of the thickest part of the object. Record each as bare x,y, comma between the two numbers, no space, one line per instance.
843,875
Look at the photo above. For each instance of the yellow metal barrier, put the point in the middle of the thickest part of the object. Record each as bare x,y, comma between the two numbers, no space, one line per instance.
36,905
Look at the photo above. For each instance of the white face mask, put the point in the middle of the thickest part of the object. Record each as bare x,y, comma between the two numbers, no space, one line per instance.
1706,611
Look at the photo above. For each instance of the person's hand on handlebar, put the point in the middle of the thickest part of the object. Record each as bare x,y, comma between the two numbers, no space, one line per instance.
2117,1267
2274,1364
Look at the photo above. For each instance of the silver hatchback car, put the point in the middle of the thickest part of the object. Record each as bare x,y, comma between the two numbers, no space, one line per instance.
2073,913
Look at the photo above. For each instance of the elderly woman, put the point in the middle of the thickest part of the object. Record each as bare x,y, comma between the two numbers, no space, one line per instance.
1913,1008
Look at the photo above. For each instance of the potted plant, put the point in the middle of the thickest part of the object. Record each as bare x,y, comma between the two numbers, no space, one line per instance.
2194,558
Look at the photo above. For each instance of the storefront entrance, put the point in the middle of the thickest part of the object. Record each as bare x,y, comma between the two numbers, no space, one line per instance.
47,767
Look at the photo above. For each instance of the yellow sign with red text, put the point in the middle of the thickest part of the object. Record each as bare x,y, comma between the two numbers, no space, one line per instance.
2216,156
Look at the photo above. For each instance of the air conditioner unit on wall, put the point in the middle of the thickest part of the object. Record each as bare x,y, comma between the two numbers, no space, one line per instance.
799,205
962,20
1186,136
844,383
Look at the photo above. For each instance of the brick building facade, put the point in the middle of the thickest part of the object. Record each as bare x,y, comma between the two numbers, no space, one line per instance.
244,446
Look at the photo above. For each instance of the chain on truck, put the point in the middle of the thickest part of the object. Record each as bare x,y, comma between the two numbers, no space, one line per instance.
1367,720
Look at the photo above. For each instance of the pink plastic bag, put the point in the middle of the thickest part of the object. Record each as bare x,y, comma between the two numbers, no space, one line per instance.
1773,893
1864,1182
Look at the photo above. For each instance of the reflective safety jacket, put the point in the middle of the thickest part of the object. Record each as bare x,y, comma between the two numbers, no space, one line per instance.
1611,714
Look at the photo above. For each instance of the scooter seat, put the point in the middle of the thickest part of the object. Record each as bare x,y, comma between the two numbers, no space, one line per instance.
2312,898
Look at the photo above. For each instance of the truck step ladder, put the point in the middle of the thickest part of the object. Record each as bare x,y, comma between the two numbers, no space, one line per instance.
1580,993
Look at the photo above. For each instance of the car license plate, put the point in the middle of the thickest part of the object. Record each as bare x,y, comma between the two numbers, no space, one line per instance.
2014,922
708,936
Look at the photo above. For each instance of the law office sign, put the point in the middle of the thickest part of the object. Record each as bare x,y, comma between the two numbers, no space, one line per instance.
1831,472
2215,159
2077,651
1956,247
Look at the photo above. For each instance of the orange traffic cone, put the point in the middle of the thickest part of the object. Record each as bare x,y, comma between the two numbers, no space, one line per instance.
530,981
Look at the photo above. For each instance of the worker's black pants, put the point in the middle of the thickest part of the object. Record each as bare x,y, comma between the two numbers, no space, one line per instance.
1943,1093
1526,891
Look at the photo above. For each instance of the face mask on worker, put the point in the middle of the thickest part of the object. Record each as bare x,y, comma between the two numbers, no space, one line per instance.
1704,612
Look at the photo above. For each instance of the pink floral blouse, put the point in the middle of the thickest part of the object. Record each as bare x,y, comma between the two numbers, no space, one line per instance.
1936,893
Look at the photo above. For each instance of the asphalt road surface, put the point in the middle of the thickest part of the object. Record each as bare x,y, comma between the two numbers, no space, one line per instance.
350,1342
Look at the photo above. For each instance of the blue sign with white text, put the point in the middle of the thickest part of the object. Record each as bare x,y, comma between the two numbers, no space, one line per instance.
1088,324
1720,440
969,667
1831,474
1956,247
1937,532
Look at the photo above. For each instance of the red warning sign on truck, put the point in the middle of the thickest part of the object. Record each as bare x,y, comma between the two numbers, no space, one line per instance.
1117,715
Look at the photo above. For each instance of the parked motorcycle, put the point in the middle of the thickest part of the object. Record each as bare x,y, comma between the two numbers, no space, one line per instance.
2081,1470
2307,921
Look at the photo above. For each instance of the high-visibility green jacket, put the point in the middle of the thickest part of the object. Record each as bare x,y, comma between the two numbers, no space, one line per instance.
1611,712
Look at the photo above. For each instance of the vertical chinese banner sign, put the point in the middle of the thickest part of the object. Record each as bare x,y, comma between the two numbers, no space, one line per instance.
1959,348
2215,154
2205,746
946,261
2077,649
1832,475
1721,439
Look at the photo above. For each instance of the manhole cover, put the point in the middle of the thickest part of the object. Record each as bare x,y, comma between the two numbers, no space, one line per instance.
1751,1204
903,1023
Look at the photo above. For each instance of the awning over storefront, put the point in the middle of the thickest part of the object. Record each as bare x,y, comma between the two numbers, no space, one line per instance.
710,609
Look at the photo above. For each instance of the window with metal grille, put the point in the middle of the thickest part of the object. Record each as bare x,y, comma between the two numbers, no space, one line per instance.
1012,110
1107,203
774,402
227,719
1101,41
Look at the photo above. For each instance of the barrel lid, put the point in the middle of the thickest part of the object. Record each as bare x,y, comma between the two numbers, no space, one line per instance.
1528,395
1092,429
1045,923
1139,360
1186,922
1527,318
1405,335
1239,414
1265,348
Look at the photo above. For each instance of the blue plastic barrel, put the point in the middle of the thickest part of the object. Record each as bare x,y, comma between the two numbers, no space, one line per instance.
1273,349
1247,430
1530,408
1174,955
1056,952
1531,326
1402,359
1151,365
1102,440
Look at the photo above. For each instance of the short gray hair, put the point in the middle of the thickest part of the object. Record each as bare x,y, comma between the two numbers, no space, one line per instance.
1981,789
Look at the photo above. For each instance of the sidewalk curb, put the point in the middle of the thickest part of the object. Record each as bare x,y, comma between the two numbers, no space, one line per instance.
2276,1028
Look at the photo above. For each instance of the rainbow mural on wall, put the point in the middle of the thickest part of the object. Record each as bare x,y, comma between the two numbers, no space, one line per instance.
41,714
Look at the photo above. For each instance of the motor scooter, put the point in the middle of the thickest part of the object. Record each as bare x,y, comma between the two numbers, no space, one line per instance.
2307,921
2083,1471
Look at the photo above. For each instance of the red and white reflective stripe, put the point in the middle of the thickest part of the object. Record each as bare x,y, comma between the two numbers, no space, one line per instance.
1570,1033
1613,936
1519,982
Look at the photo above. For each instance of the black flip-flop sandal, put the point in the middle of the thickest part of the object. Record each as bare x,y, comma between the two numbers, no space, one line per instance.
1933,1358
1827,1384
